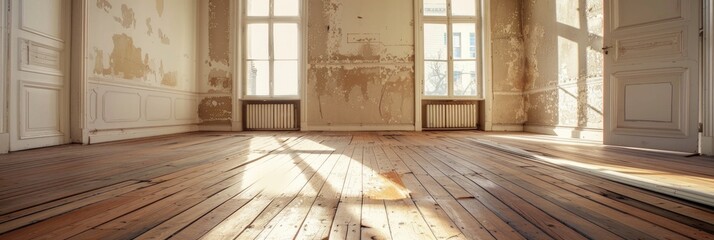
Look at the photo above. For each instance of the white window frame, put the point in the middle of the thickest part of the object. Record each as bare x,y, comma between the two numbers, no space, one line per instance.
271,20
482,50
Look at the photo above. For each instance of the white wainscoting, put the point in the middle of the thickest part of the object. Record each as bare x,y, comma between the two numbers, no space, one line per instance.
117,112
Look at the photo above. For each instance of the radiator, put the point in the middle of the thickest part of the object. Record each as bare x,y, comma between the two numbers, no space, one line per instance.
271,116
444,115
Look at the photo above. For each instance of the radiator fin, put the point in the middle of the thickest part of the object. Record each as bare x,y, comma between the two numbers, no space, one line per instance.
450,115
270,116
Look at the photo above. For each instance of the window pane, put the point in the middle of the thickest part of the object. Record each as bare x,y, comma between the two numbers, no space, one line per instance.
465,78
258,7
435,78
463,7
258,77
286,78
286,38
434,7
435,42
461,30
257,41
286,7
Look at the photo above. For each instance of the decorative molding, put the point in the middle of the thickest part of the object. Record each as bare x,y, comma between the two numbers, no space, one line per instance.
158,108
100,136
128,102
678,126
40,58
617,24
24,16
661,46
26,131
123,83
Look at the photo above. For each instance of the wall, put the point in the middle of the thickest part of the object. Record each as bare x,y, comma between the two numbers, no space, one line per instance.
140,68
215,80
361,65
508,66
563,86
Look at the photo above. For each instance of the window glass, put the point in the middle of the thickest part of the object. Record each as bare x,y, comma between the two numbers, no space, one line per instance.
463,7
286,7
434,8
436,78
258,8
435,42
465,78
257,41
286,78
258,78
285,38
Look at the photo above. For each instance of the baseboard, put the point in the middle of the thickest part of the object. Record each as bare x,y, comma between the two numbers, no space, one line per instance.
567,132
506,127
101,136
227,127
4,143
366,128
707,146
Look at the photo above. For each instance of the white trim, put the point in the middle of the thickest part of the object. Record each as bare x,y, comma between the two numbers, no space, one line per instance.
707,145
78,72
418,60
593,134
271,20
368,128
101,136
487,68
707,107
237,61
4,46
216,127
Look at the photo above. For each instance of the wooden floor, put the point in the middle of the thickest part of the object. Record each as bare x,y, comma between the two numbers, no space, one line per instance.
432,185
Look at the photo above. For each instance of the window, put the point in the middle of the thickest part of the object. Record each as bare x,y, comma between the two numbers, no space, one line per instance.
450,70
272,53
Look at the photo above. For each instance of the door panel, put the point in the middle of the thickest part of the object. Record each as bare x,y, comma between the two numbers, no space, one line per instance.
651,74
39,88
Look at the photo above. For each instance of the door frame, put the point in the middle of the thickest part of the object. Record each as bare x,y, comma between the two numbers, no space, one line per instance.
4,94
706,138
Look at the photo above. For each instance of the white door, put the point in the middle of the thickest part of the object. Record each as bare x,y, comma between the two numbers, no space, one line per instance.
652,73
39,73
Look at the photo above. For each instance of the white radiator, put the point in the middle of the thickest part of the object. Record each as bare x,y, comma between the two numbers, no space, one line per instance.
270,116
451,115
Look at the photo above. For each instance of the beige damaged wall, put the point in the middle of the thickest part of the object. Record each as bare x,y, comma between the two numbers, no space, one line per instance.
149,43
361,63
215,80
508,66
564,70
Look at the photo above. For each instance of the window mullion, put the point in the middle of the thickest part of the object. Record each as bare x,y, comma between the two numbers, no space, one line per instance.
271,50
450,50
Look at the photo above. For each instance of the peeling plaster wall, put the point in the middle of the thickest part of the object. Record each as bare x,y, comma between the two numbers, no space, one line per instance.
215,74
508,66
361,63
141,68
142,43
563,86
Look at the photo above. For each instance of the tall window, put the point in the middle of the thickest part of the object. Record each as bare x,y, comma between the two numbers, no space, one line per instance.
272,47
450,70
